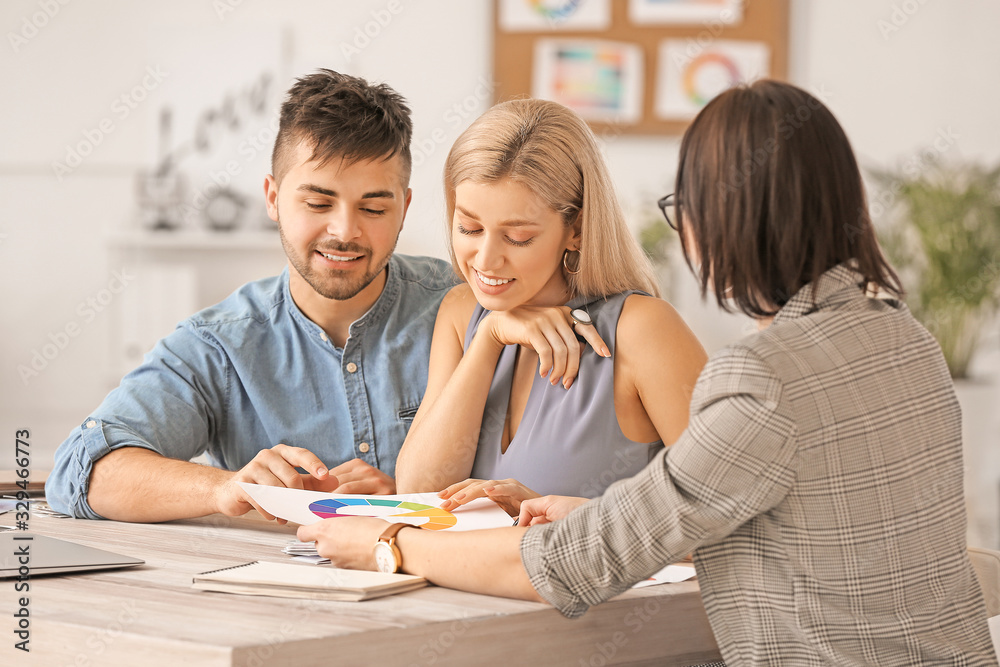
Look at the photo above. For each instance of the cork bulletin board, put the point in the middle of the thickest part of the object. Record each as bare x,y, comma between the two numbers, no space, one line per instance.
635,66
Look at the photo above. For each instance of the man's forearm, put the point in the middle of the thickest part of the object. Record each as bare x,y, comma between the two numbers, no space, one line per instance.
136,484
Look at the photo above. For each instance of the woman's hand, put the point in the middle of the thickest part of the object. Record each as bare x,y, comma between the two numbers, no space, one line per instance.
347,541
547,509
549,331
507,493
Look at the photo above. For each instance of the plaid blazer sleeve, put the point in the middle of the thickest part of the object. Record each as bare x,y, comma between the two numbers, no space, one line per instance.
735,461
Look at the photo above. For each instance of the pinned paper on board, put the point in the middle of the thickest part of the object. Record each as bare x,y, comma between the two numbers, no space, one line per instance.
545,15
690,74
600,80
418,509
707,12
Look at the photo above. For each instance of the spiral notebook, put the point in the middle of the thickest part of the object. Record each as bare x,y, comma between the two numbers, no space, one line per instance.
288,580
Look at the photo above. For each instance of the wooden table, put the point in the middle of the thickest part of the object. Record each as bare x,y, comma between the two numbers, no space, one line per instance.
150,615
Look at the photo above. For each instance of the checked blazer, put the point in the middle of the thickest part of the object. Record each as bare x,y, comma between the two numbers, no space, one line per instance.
819,485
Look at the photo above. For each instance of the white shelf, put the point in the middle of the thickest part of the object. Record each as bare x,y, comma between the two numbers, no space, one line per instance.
196,240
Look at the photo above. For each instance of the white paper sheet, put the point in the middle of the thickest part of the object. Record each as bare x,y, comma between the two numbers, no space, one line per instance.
418,509
671,574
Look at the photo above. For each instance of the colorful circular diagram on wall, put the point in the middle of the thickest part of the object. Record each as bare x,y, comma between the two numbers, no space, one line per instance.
437,518
708,75
555,10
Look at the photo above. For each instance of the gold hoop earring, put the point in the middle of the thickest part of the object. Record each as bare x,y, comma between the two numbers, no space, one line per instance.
576,262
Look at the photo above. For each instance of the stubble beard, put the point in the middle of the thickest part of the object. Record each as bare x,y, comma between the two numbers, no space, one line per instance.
330,285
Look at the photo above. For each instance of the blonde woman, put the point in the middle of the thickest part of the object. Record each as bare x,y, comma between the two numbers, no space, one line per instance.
548,261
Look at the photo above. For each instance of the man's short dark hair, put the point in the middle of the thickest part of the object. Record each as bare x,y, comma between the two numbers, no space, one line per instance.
772,192
345,117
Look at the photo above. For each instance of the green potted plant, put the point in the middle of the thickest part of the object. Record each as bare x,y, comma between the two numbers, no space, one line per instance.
658,241
940,226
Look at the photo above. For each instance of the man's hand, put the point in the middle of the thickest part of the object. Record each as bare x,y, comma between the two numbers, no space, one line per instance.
507,493
356,476
274,467
347,541
547,509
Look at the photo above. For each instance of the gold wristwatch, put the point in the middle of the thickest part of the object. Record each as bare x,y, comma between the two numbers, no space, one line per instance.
387,556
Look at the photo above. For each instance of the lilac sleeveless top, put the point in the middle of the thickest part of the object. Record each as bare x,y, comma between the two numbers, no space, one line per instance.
568,441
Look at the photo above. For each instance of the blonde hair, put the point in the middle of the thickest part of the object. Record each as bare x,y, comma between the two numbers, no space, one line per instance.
551,150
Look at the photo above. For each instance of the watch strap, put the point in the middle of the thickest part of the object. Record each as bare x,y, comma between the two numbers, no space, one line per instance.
391,531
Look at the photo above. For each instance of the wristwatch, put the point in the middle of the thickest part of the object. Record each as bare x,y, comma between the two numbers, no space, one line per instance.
387,556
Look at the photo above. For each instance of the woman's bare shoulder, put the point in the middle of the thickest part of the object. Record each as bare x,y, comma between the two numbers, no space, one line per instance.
648,321
457,308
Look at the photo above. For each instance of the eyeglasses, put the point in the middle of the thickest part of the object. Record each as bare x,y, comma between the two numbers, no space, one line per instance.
669,207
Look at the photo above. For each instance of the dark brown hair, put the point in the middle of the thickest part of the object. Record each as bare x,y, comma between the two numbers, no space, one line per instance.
342,116
772,192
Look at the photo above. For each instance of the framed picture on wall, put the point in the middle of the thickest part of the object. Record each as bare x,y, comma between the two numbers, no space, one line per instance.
728,12
689,76
546,15
600,80
652,66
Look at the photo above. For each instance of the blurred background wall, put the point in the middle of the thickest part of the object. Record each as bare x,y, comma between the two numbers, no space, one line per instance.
85,84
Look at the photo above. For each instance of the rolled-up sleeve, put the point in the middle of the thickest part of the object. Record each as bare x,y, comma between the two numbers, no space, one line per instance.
735,460
172,404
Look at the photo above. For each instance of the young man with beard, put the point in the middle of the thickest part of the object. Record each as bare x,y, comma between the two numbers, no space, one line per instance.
321,368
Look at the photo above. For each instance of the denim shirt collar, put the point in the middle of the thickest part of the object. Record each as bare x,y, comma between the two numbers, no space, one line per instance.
385,302
374,316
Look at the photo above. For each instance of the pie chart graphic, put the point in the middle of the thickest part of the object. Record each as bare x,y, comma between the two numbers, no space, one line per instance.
438,519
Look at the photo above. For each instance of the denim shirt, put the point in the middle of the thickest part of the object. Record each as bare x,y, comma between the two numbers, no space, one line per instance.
254,371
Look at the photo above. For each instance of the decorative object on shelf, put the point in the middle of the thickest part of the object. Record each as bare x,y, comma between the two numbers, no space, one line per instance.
161,191
160,194
224,210
940,227
196,181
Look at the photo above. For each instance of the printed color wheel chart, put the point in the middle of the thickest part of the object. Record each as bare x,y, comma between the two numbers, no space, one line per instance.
708,75
438,519
555,11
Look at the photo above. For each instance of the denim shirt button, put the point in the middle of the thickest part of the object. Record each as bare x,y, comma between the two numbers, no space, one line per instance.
363,447
324,337
352,368
91,424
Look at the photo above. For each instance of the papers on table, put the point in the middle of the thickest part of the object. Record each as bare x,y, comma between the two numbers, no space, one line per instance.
418,509
304,552
671,574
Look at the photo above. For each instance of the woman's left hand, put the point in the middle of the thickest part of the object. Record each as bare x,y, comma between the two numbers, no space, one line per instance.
347,541
507,493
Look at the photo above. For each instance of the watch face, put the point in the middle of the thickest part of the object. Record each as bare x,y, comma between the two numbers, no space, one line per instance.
385,560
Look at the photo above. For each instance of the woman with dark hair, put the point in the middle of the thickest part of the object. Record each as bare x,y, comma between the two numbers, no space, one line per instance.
819,481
